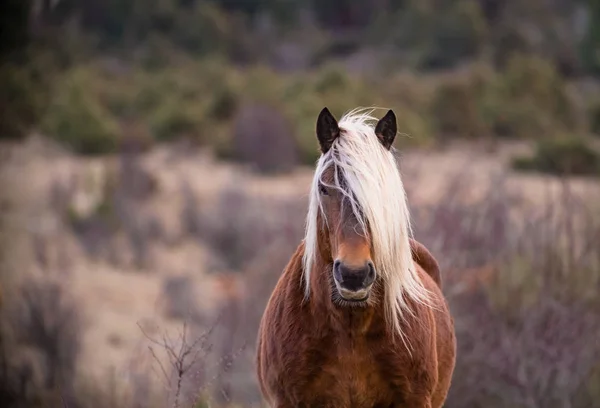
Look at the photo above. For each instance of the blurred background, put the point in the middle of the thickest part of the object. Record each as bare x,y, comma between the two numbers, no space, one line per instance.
156,157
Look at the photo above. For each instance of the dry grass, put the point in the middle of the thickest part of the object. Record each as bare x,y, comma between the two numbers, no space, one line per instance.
526,326
217,255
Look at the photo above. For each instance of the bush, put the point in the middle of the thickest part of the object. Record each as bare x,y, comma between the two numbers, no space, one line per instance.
414,129
573,156
223,105
456,109
203,29
588,48
39,345
594,116
529,100
173,120
50,321
263,137
458,33
22,100
26,68
226,108
331,78
79,121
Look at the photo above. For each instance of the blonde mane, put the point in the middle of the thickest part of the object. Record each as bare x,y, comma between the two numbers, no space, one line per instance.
378,199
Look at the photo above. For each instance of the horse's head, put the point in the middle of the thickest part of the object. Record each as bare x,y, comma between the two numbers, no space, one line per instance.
344,236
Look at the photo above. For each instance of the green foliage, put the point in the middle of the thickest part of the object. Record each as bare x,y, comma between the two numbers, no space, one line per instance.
200,99
22,99
530,100
573,156
456,109
223,105
456,34
594,115
331,79
203,29
415,129
26,71
432,34
533,81
78,120
182,83
172,120
590,46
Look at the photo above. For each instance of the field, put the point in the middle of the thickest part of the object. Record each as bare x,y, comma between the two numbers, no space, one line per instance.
143,245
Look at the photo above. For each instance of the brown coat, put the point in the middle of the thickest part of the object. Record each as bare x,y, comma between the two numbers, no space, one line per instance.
313,353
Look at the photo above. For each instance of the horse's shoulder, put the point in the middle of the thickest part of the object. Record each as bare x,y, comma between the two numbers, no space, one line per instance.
287,295
425,259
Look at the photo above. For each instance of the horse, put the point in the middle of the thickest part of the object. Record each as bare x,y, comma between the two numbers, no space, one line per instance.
357,318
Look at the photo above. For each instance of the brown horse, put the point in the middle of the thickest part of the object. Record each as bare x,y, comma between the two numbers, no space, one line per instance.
357,319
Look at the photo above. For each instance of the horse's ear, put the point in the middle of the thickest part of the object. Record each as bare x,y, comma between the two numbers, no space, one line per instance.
327,130
386,129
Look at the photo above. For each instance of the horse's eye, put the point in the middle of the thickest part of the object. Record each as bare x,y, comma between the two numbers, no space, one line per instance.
323,190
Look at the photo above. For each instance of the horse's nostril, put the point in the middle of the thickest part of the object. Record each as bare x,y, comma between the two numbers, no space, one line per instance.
370,278
337,273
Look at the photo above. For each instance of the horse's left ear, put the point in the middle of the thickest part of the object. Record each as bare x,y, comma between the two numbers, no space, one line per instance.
386,129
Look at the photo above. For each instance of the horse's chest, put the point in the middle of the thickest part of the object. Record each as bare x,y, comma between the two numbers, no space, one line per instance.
351,375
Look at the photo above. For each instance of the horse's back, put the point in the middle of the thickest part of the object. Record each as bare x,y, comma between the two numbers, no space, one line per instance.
445,339
425,259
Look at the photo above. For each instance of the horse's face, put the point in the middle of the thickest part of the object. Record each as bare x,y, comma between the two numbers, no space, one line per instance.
345,241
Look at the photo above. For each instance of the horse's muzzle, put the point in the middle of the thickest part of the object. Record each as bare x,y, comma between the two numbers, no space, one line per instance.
354,283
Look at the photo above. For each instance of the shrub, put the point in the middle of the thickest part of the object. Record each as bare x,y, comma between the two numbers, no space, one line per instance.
588,48
223,105
49,320
22,100
594,115
572,156
40,343
76,119
414,129
263,137
530,100
458,33
203,28
509,119
173,120
331,78
456,109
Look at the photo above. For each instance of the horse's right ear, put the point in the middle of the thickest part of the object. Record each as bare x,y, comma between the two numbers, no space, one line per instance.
327,130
